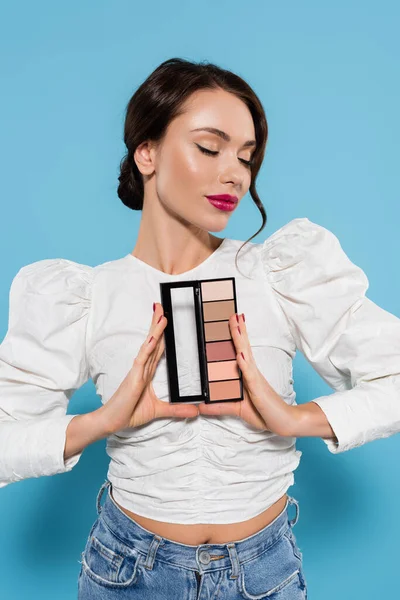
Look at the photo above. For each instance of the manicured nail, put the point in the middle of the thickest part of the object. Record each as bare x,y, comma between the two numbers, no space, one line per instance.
154,306
150,339
239,331
160,319
242,356
243,317
237,317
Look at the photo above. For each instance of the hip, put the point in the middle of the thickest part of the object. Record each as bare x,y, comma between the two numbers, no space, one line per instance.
122,555
206,533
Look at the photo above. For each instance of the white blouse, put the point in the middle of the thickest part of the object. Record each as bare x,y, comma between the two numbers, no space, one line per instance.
69,322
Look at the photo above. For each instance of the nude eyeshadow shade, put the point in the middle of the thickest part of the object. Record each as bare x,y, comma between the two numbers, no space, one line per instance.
198,340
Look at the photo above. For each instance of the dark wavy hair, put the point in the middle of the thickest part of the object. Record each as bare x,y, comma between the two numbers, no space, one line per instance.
158,100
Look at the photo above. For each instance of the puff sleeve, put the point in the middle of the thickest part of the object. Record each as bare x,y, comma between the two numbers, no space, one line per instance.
42,362
353,343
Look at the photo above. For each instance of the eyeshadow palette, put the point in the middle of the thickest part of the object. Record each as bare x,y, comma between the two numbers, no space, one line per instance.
198,333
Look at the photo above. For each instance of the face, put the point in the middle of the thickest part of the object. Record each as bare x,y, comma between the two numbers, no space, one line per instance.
190,163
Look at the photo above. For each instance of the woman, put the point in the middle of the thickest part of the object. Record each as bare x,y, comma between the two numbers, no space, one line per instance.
197,503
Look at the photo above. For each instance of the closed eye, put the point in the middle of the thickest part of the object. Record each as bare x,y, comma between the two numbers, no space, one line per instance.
248,163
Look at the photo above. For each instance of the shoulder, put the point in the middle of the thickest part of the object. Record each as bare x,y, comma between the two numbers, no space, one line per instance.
297,240
294,240
301,243
65,279
51,275
302,255
51,288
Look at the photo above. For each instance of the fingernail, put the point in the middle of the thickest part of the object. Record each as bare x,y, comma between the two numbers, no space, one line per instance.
160,319
239,331
242,356
150,339
154,306
243,317
237,317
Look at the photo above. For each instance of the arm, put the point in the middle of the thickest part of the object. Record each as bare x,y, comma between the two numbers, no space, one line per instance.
309,420
42,362
350,341
82,431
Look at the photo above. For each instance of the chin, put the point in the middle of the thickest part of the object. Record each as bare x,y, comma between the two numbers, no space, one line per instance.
213,227
213,230
217,223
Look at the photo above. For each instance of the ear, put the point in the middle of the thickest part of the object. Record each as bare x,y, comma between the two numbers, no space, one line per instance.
145,157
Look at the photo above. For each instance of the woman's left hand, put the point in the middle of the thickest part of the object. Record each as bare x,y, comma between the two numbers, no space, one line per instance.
262,406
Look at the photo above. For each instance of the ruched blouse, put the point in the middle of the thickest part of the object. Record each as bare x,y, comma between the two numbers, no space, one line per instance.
70,322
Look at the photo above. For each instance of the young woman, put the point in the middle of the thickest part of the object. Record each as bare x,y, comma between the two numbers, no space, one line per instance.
197,504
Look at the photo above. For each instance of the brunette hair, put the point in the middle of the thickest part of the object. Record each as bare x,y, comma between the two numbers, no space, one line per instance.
159,99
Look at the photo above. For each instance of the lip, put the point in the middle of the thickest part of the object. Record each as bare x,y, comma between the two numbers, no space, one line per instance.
224,197
223,202
225,205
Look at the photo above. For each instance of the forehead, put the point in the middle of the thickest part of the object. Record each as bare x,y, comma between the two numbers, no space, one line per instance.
219,109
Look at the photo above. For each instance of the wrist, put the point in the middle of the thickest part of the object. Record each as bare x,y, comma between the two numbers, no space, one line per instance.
102,424
82,431
309,419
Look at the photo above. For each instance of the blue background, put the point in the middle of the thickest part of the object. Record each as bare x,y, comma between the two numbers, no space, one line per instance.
328,77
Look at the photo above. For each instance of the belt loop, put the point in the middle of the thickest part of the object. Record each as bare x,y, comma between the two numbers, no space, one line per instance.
292,500
151,554
234,560
99,495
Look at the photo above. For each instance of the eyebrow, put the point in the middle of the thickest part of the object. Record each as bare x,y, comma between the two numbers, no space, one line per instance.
224,135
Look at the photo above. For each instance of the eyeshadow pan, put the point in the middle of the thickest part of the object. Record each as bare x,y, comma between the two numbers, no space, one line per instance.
218,311
220,351
217,330
227,369
217,290
225,390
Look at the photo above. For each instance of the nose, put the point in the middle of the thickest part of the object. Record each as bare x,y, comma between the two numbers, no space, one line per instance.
233,175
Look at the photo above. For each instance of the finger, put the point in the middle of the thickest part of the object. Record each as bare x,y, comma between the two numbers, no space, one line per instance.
219,408
158,325
182,411
240,338
152,342
158,309
159,348
158,312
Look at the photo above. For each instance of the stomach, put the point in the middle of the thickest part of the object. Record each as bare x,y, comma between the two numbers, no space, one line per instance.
206,533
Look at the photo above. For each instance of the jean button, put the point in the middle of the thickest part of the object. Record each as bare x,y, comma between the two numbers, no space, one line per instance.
204,557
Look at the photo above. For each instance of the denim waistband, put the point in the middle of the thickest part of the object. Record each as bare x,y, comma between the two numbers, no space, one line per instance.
202,558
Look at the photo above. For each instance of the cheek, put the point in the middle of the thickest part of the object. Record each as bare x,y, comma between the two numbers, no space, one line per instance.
181,177
191,166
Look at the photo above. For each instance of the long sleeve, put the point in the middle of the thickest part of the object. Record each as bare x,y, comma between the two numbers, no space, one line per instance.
42,362
353,343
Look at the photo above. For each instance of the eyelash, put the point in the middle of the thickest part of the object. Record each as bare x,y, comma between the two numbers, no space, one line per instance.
248,163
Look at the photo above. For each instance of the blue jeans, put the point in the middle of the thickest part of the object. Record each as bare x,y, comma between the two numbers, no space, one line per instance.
123,560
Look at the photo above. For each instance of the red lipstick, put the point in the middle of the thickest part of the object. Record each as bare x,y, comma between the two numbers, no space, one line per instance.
223,201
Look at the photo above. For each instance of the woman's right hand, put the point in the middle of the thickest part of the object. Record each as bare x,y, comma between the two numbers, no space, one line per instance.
134,402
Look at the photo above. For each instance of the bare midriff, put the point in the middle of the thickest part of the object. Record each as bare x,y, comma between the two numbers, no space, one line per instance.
206,533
